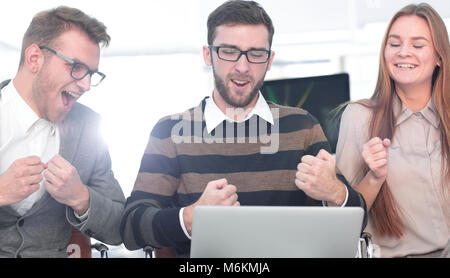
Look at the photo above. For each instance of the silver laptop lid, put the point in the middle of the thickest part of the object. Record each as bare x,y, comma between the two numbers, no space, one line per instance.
275,232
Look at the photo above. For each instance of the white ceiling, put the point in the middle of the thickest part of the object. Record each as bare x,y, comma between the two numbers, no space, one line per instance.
161,26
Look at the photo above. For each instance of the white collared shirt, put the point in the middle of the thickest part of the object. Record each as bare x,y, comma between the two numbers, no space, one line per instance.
22,134
214,116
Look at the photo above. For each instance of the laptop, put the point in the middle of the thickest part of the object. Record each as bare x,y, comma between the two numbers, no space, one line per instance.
275,232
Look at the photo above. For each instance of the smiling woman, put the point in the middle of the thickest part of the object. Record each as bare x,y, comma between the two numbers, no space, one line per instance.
411,59
406,182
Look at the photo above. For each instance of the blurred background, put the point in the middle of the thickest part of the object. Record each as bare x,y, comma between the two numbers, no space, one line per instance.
154,64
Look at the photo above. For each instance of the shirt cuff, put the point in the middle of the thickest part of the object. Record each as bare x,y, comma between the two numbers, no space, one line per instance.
82,217
182,223
325,204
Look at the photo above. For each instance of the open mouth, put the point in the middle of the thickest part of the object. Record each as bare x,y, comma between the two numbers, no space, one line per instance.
69,98
405,66
240,83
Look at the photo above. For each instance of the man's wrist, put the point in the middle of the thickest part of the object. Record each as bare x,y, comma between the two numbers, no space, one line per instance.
3,202
183,226
82,205
187,218
82,217
341,193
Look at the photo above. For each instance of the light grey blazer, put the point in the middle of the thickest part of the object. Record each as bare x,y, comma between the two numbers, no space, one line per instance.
44,231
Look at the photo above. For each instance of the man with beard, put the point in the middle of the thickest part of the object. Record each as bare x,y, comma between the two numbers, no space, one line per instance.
55,171
217,153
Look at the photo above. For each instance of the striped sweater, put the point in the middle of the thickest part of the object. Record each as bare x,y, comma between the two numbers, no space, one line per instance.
259,158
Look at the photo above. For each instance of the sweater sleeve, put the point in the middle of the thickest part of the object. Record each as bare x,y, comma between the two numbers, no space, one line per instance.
151,217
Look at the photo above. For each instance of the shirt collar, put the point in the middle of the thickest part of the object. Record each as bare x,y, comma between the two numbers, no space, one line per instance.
429,112
214,116
28,117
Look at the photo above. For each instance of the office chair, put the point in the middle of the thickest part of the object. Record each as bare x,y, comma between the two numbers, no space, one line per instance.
365,246
80,246
151,252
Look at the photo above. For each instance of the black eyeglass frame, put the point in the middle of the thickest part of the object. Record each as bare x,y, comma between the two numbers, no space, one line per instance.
74,64
242,52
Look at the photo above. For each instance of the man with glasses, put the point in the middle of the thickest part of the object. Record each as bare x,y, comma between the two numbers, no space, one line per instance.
55,171
218,153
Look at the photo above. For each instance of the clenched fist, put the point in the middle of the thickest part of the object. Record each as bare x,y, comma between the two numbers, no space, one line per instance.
316,176
64,184
216,193
21,180
375,154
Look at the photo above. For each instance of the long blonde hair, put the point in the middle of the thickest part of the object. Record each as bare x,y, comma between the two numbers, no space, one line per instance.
385,211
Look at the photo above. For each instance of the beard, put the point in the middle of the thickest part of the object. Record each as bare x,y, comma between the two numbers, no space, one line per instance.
40,91
226,95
